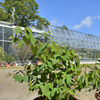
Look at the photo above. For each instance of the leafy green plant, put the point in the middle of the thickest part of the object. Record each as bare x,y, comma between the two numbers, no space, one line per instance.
8,58
1,56
65,27
5,58
60,75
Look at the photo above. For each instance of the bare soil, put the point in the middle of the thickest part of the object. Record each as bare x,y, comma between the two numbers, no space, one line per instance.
11,90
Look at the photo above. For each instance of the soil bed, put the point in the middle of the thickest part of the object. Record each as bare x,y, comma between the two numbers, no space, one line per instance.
11,90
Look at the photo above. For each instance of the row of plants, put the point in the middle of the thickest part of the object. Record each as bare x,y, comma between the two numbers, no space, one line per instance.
19,55
59,76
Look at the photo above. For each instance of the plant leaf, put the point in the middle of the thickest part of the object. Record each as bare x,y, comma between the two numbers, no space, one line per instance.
18,78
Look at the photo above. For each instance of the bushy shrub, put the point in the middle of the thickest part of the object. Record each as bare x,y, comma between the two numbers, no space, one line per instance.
60,75
7,58
1,54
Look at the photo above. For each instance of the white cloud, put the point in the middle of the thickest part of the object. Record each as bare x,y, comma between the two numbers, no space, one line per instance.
85,22
96,17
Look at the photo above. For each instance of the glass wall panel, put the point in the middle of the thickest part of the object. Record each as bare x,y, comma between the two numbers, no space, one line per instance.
84,43
97,55
1,31
76,39
8,47
7,33
1,44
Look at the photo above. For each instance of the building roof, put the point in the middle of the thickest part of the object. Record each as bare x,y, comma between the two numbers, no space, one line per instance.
69,37
5,23
74,39
10,25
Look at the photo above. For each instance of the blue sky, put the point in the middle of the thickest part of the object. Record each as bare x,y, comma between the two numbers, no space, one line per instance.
79,15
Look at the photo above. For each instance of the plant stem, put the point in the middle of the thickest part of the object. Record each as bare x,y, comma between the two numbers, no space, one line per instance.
68,97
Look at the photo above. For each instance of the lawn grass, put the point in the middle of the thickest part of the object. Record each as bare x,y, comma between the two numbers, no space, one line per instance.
14,67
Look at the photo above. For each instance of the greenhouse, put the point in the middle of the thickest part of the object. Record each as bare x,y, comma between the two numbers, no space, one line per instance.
5,32
6,29
86,45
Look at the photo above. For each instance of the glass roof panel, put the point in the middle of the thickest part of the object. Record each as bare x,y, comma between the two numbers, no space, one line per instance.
75,39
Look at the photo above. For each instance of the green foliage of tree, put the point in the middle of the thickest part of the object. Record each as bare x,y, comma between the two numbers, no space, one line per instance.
5,57
1,56
60,74
26,11
65,27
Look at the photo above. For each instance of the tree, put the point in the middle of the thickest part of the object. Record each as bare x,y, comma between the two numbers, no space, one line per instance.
65,27
26,12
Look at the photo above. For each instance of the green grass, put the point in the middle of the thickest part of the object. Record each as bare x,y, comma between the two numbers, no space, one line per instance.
14,67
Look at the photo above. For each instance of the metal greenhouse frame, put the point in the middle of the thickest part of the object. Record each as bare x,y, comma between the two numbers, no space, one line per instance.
86,45
6,29
5,32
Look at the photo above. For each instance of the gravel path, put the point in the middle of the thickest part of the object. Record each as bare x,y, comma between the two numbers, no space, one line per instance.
11,90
